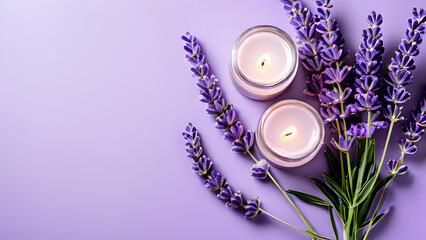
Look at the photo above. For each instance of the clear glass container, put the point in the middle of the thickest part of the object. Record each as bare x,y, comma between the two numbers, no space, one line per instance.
308,121
250,44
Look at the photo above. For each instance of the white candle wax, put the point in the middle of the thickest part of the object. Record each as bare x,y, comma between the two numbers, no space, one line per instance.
264,62
291,131
265,58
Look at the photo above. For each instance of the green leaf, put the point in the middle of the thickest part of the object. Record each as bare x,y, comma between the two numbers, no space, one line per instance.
333,223
365,191
328,193
354,174
360,149
377,218
364,209
383,182
309,198
316,235
333,164
365,224
336,188
366,205
366,157
375,221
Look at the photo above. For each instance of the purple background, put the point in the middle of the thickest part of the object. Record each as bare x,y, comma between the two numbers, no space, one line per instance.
94,95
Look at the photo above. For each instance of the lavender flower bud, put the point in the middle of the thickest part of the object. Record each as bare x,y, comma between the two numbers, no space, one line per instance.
203,166
419,117
210,95
394,167
225,194
260,170
252,208
413,132
314,85
397,95
344,144
367,101
328,115
235,132
235,201
216,182
332,75
227,118
357,130
392,115
244,144
205,83
407,147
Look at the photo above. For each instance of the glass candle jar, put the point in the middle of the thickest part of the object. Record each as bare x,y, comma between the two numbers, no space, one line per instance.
264,62
290,133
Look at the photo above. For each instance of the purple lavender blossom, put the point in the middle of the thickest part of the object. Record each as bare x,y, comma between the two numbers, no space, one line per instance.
260,169
235,132
211,94
244,145
252,208
419,117
413,132
193,145
395,168
344,144
314,85
328,115
236,200
321,52
214,180
360,129
399,76
369,62
332,75
203,166
310,45
407,147
414,129
225,194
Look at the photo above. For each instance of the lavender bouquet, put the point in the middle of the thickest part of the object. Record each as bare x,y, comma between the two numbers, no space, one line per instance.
355,102
360,90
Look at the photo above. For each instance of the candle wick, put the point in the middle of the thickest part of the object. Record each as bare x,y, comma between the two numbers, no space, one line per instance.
263,62
288,134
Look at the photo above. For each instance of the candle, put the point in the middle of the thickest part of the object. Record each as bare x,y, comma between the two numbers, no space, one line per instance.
290,133
264,62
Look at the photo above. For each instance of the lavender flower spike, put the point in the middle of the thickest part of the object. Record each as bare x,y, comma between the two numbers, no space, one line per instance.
211,94
413,131
401,65
310,45
214,180
260,169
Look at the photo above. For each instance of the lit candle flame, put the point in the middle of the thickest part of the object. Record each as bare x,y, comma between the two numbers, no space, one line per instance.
289,132
263,61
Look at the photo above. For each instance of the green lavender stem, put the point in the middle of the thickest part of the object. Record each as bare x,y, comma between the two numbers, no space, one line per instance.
385,148
298,229
375,211
285,195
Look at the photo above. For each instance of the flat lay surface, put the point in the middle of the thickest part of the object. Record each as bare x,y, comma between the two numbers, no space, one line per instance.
94,96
